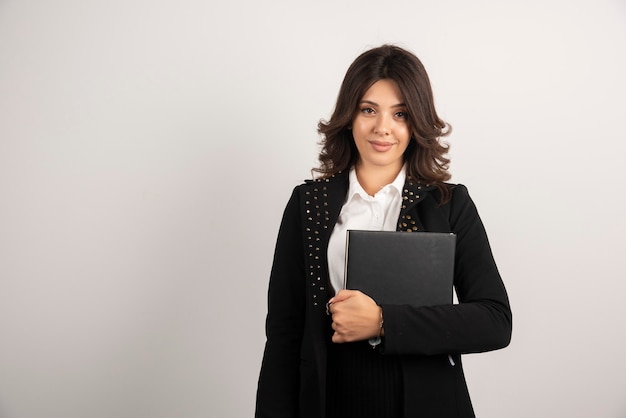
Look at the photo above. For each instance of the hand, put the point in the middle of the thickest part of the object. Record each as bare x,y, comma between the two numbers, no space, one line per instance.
355,316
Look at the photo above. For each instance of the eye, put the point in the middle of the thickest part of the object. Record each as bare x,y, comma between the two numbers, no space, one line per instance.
367,110
402,115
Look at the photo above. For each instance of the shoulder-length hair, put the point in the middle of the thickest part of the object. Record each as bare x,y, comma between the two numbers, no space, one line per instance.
425,157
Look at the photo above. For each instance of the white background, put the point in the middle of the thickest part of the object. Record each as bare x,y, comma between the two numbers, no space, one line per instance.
147,150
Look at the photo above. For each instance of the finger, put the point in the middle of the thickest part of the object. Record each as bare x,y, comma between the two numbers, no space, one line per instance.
343,295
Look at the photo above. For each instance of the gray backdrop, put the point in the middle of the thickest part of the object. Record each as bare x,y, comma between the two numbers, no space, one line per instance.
147,150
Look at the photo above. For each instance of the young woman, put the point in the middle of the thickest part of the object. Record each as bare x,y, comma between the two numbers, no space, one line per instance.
382,167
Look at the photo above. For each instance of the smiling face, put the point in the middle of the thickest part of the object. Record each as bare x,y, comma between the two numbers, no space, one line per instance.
380,128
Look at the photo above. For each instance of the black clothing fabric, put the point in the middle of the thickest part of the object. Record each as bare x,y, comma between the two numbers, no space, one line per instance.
419,342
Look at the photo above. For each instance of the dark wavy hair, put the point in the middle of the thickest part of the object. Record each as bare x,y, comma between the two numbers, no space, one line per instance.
425,157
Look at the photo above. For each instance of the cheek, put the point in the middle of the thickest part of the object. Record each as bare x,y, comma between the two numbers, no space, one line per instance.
406,139
405,133
359,130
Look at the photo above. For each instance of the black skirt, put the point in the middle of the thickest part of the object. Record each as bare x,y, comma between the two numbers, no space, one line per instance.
363,383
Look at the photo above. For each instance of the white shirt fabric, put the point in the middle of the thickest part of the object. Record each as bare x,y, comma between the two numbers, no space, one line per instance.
362,211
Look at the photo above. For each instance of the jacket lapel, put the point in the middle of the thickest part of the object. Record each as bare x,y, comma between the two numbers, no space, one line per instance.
412,194
323,200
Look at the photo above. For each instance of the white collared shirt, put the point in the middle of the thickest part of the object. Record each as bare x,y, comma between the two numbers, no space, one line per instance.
362,211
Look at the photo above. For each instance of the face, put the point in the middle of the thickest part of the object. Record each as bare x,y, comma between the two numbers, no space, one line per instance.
380,128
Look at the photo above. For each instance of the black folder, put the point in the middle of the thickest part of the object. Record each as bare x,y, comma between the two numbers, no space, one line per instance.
401,268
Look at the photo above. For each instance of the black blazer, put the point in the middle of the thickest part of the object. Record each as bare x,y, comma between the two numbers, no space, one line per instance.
293,372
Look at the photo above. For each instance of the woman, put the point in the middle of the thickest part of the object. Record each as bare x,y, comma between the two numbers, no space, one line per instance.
383,167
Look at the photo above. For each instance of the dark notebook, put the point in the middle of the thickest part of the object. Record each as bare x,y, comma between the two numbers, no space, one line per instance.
401,268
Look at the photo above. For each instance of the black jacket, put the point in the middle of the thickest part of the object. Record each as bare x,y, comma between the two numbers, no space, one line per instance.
293,372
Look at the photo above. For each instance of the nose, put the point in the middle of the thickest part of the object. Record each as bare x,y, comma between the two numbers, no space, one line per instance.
383,125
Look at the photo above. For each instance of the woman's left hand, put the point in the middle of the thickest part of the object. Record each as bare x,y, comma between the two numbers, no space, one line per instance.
355,316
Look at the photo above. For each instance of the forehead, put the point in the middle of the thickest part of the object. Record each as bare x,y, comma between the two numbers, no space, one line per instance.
383,90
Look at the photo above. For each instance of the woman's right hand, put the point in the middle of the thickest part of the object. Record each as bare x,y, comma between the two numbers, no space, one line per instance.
355,316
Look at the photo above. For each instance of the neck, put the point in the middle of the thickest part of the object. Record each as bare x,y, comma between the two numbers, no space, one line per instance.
374,178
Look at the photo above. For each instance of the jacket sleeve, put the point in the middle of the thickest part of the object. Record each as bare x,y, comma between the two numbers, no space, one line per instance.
482,320
278,386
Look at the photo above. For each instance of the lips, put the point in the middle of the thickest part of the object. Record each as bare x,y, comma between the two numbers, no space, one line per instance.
381,146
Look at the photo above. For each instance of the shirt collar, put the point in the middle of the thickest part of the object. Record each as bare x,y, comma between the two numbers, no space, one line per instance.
356,189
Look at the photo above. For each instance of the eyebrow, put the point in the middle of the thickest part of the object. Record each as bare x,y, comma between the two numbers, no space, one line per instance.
376,104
